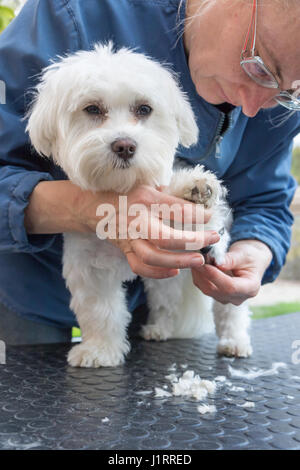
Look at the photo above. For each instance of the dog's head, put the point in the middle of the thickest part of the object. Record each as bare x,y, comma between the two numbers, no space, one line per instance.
110,119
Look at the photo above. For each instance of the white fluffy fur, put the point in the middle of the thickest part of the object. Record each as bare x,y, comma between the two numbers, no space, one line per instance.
94,269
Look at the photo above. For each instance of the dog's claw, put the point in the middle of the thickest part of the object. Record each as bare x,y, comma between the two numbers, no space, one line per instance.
91,355
234,348
201,193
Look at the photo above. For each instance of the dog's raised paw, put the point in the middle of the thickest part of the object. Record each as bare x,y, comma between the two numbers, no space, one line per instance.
200,192
92,355
235,348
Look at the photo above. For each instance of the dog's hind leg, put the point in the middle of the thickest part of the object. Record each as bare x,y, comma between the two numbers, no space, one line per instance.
177,309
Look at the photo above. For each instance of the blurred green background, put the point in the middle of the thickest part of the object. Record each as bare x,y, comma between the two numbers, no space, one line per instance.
6,15
8,10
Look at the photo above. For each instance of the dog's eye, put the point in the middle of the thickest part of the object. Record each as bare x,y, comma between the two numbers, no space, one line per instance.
143,110
93,110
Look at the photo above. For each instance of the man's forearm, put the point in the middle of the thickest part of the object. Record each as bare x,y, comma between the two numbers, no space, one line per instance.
61,206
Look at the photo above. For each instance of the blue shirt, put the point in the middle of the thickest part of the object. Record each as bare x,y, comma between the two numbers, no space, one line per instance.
253,157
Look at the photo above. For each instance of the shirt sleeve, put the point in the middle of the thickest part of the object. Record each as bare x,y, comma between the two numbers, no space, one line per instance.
261,186
42,30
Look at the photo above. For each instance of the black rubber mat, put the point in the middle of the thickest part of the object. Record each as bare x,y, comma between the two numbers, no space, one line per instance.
45,404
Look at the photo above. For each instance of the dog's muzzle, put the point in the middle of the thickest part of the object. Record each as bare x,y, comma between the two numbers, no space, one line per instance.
124,148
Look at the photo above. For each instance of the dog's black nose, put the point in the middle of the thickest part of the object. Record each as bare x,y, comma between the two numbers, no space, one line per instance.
124,148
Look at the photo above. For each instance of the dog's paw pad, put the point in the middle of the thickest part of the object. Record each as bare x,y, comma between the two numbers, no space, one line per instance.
202,190
155,333
200,193
204,195
235,348
83,355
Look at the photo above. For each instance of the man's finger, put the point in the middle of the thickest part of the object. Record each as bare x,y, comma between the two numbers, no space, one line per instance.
184,210
167,237
144,270
231,286
233,260
154,256
204,284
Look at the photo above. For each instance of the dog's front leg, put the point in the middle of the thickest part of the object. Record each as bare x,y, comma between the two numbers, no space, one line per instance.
99,302
163,298
232,323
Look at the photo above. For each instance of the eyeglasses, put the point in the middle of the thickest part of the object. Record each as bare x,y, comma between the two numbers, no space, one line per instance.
255,68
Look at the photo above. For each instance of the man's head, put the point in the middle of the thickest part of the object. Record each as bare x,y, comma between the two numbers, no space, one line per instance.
215,32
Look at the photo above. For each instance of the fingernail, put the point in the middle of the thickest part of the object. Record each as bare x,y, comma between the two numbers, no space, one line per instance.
197,262
215,237
174,272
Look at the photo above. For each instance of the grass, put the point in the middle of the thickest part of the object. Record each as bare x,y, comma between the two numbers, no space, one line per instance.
265,311
76,332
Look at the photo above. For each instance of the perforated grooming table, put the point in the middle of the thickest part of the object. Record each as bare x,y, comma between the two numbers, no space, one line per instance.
45,404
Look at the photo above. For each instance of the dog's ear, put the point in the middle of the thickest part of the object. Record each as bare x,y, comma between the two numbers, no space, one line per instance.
187,126
42,122
188,131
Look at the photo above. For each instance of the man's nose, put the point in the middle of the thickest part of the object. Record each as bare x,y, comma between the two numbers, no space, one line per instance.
124,148
255,98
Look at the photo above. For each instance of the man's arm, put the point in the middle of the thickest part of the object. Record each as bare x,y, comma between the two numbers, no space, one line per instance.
61,206
261,189
25,49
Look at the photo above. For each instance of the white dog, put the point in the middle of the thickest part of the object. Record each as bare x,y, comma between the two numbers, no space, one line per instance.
113,120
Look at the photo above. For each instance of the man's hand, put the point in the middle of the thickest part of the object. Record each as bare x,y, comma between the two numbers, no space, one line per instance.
165,254
239,278
61,206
